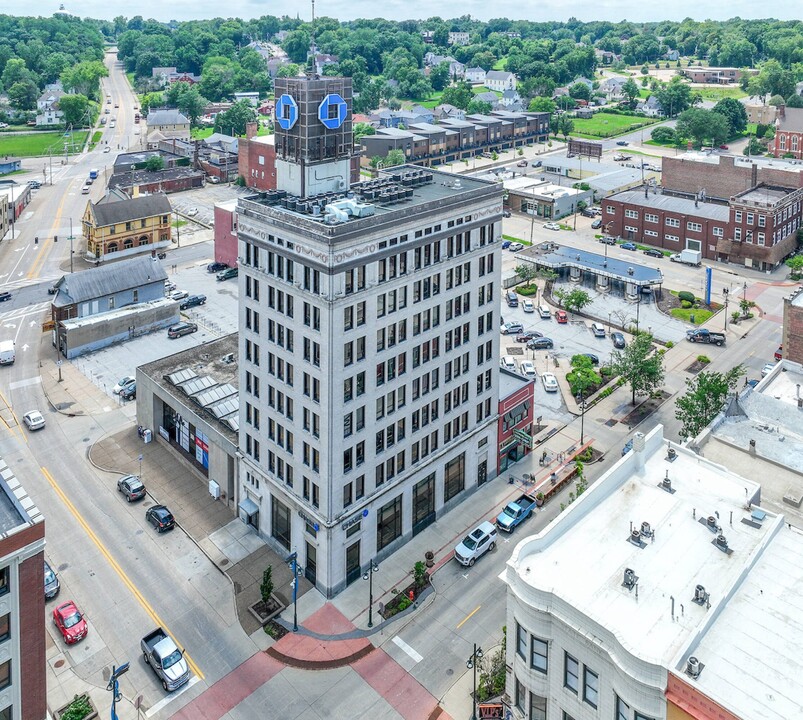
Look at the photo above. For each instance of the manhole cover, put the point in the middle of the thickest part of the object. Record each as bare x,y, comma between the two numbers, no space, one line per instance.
224,562
58,663
449,671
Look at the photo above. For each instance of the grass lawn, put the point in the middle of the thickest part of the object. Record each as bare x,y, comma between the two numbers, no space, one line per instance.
201,133
513,238
430,102
604,125
715,94
39,143
500,64
700,315
477,89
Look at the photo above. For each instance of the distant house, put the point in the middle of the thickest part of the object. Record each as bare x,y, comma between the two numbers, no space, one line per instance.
788,133
169,123
394,118
101,306
428,36
650,107
612,87
450,112
322,60
459,38
168,75
252,97
47,105
606,57
672,55
588,83
509,99
275,63
500,80
475,75
489,97
281,36
584,113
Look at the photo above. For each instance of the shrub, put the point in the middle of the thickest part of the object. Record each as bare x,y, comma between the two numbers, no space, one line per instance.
404,603
419,574
685,304
78,709
670,345
266,586
703,359
686,295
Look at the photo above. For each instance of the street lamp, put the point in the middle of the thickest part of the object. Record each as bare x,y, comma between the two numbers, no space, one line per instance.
581,401
471,664
369,576
114,688
292,561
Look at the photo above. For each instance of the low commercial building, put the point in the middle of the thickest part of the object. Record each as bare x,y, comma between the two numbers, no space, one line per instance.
23,637
663,592
108,304
17,198
543,199
516,415
190,401
257,159
793,326
168,123
226,232
716,75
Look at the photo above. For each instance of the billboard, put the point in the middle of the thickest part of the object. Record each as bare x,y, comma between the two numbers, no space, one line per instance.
585,147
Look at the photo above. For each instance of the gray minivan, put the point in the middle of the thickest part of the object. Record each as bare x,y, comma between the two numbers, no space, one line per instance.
183,328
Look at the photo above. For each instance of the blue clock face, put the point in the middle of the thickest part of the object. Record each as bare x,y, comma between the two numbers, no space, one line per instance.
332,111
286,112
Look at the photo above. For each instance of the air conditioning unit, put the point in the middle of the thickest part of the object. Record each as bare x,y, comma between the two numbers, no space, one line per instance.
214,489
693,667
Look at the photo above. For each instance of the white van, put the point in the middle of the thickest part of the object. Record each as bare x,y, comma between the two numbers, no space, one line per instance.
544,312
598,329
7,352
508,362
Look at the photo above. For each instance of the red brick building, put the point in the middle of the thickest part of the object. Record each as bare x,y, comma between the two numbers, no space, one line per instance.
516,412
788,141
23,684
257,159
226,233
793,326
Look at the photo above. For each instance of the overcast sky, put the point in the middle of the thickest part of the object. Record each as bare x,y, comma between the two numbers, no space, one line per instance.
613,10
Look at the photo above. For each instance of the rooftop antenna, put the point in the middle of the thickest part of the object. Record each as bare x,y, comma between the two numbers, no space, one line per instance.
312,40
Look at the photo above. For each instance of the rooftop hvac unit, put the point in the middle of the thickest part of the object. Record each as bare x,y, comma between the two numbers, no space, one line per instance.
700,595
711,521
630,578
646,530
722,542
693,667
214,489
666,483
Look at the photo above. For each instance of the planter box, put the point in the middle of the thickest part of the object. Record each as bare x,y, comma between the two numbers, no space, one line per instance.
277,607
89,716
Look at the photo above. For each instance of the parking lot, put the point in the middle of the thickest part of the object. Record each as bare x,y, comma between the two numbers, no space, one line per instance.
203,200
215,318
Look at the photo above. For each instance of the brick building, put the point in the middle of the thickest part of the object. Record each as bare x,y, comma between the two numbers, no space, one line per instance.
226,232
715,75
516,412
23,684
793,326
788,139
257,159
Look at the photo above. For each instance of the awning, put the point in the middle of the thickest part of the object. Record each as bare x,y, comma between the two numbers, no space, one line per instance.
249,507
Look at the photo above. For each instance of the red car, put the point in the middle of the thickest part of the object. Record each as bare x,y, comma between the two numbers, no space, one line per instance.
779,353
561,316
70,622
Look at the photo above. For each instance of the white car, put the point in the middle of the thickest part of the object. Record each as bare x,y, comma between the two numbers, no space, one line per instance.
179,294
550,382
528,369
508,362
551,226
169,285
476,544
123,383
107,149
192,212
515,247
528,306
33,420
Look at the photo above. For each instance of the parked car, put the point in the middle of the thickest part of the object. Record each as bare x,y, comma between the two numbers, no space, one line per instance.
512,327
160,517
593,358
213,179
561,316
508,362
70,622
652,252
506,244
183,328
528,335
216,267
123,383
528,306
618,340
540,343
179,294
131,486
724,147
550,382
5,295
192,301
551,226
169,285
629,246
608,240
164,657
596,224
521,163
588,213
515,247
192,212
515,513
107,149
528,369
129,393
33,420
767,369
506,213
226,274
779,353
628,446
52,585
35,184
476,544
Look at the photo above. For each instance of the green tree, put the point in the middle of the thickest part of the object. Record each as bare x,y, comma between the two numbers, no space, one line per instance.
439,76
576,300
631,91
580,91
22,95
150,100
753,147
479,107
289,70
75,109
701,125
735,113
663,134
234,120
266,586
84,78
459,95
15,72
191,102
154,163
582,375
675,97
361,129
704,398
394,157
639,366
541,104
527,272
794,101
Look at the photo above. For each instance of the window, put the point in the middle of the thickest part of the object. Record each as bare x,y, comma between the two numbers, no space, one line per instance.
389,523
537,707
694,227
454,480
738,216
639,716
717,232
5,627
571,673
280,522
521,641
672,222
4,581
622,709
539,655
650,218
5,674
521,695
631,214
590,687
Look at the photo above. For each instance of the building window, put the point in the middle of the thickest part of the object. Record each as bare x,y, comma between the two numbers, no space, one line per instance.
622,709
694,227
717,232
521,695
389,523
4,573
590,687
738,216
5,674
672,222
639,716
521,641
539,655
280,522
571,673
5,627
454,480
537,707
631,214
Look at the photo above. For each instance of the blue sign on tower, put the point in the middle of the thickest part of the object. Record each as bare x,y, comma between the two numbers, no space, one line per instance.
286,112
332,111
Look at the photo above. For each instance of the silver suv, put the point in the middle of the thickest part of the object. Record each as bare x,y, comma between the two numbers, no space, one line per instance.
476,544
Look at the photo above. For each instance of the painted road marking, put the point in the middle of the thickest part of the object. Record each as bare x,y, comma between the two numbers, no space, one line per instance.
165,701
468,617
24,383
116,567
404,646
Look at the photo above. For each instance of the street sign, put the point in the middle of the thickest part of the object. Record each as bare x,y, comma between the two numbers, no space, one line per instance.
523,437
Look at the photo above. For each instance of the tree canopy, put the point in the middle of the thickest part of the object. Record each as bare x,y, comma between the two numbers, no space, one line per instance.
639,365
704,398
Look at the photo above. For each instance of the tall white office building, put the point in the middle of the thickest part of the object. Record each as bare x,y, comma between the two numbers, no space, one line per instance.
369,351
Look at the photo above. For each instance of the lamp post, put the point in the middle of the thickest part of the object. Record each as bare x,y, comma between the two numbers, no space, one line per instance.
471,664
292,561
609,323
71,238
369,576
725,293
581,401
114,687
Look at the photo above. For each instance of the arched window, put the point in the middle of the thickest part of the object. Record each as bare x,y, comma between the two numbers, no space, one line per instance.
112,248
782,141
794,143
144,240
128,243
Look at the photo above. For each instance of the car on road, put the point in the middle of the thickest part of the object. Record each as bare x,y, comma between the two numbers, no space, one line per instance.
521,163
561,316
506,244
179,294
160,517
226,274
512,327
35,184
33,420
5,295
528,369
608,240
528,335
515,247
618,340
628,446
551,226
622,143
536,163
52,585
540,343
70,622
508,362
779,353
628,246
85,190
107,149
474,545
213,179
192,301
652,252
528,306
550,382
215,267
724,147
183,328
596,224
192,212
767,369
123,383
131,486
129,393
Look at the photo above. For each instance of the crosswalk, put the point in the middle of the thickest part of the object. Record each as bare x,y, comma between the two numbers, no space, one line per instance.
22,312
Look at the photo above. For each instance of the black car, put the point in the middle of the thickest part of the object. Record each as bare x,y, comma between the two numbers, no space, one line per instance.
618,340
216,267
541,343
622,143
131,487
652,252
160,517
5,296
129,393
593,358
588,213
192,301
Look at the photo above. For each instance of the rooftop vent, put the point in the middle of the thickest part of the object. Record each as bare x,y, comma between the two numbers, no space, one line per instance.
693,667
721,541
228,358
711,523
630,579
700,595
666,483
646,530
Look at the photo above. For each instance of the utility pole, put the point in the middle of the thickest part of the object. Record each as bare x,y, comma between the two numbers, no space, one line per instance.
71,238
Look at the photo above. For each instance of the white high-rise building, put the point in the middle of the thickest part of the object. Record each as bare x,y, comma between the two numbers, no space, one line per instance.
369,345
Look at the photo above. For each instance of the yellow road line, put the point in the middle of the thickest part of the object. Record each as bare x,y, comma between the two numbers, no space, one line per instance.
16,430
126,580
468,617
43,242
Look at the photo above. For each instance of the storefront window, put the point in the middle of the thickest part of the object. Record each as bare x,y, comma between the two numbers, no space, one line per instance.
454,480
389,523
280,522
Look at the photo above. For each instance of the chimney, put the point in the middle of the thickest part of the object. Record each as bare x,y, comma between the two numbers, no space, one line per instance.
250,130
782,112
754,175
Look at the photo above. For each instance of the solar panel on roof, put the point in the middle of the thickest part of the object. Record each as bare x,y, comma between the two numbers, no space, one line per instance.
227,407
181,376
199,384
215,394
